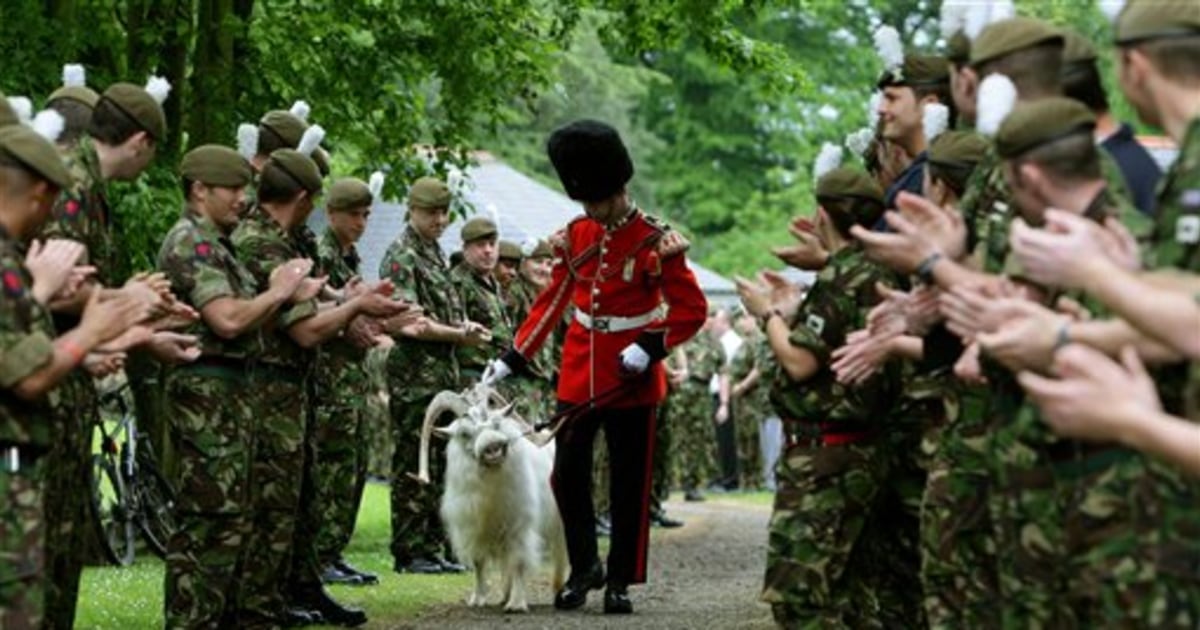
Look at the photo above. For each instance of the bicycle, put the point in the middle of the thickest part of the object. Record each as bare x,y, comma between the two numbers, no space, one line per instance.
129,493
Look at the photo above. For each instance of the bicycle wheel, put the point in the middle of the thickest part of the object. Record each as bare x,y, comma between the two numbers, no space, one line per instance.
156,506
110,509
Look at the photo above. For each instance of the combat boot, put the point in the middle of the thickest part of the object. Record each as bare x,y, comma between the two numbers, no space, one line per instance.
574,593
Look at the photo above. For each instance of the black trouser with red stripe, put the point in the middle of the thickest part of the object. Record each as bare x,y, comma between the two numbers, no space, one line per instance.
630,439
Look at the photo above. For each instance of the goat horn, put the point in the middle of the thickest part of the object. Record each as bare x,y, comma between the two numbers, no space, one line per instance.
443,402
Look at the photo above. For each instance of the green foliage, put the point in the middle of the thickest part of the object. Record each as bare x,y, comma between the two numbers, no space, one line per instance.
145,210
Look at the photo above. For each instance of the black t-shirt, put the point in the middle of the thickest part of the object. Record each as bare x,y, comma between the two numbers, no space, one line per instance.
1139,168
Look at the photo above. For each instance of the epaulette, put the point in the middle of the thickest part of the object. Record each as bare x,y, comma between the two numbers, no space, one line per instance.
670,242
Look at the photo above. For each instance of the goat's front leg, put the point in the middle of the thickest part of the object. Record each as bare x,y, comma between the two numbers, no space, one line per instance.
515,599
479,595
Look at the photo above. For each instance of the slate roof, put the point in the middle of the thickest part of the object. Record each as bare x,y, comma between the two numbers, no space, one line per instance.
526,209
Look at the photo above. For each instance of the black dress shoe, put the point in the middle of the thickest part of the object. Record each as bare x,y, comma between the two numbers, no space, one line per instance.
333,575
574,592
425,566
334,613
616,600
299,617
693,496
449,566
364,578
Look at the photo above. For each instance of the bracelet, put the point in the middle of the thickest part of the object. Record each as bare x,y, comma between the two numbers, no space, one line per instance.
925,269
1064,336
70,347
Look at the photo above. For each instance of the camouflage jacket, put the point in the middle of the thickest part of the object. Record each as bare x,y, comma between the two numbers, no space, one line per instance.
483,304
82,214
26,344
754,353
1177,229
341,368
261,244
198,259
519,297
418,270
836,305
705,359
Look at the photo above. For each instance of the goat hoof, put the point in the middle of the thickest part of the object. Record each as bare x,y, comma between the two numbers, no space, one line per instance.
516,608
476,601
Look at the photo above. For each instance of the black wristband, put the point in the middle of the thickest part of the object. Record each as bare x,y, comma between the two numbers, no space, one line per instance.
925,269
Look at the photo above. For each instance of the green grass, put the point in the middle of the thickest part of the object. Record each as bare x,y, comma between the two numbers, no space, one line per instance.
130,598
759,497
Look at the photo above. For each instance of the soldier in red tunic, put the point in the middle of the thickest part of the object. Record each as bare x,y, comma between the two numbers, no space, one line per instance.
635,299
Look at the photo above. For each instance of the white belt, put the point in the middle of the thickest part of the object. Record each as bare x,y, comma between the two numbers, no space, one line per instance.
614,323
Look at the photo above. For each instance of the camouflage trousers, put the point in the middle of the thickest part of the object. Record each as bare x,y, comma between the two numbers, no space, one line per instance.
210,424
380,439
279,445
22,544
600,481
747,422
818,575
693,410
417,530
958,548
660,475
67,499
340,471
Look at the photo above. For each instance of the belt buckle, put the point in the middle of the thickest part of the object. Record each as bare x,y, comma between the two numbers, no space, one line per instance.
601,324
12,459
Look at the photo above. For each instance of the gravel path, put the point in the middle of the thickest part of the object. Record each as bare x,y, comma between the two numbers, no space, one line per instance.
706,574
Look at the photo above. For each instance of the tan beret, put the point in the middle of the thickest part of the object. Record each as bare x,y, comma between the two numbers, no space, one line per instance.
510,251
348,193
429,192
139,106
301,168
289,128
957,149
216,165
22,147
1005,37
1142,20
477,228
78,93
1036,123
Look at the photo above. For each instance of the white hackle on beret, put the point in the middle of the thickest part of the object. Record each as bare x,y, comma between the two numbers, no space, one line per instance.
158,88
528,246
375,185
828,159
48,124
859,141
247,140
74,75
1112,8
311,140
997,97
889,48
22,107
494,213
980,14
300,110
935,118
953,18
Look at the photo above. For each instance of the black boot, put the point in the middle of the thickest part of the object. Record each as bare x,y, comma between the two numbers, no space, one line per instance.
427,566
574,592
616,600
335,614
659,518
333,575
364,578
450,566
298,618
603,526
693,495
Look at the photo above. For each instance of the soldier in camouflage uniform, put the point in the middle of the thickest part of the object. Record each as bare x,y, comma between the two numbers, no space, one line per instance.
209,401
747,394
33,361
343,389
829,477
282,551
533,276
700,359
128,121
420,366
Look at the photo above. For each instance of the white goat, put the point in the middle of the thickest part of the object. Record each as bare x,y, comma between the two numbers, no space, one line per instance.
497,503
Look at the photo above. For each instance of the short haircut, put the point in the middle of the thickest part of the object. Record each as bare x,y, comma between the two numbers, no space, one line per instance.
77,118
1082,82
1177,58
1073,158
847,212
277,185
111,125
954,177
1034,70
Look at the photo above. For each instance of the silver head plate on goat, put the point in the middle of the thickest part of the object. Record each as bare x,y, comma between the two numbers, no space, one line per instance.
482,415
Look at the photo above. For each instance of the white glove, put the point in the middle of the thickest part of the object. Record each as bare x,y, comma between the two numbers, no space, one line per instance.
634,359
495,372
